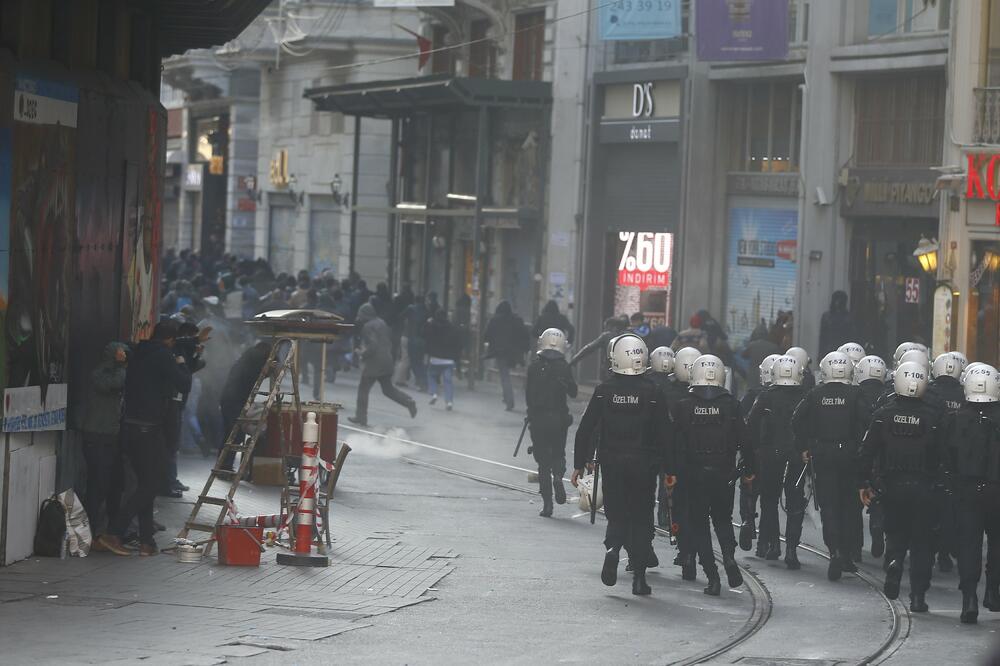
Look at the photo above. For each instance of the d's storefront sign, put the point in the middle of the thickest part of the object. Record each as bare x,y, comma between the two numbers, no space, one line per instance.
981,179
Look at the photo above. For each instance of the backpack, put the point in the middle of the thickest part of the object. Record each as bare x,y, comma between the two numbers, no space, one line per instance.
50,533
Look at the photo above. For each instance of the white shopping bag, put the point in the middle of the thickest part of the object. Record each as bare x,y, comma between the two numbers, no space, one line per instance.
586,488
78,536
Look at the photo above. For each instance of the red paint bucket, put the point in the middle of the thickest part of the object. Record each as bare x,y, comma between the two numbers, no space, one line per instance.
240,546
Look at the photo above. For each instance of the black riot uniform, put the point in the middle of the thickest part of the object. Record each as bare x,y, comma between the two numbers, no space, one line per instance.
973,460
633,447
947,395
675,391
901,459
709,433
872,391
748,489
769,430
829,424
548,384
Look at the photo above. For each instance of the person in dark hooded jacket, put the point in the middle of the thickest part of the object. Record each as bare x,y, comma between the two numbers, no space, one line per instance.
376,364
836,327
507,341
552,318
100,425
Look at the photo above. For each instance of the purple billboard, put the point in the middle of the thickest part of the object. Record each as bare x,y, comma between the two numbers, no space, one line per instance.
742,30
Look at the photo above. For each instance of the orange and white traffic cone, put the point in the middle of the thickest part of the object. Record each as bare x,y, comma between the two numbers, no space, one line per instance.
305,518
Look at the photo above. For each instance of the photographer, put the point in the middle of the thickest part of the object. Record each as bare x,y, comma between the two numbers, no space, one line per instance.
188,347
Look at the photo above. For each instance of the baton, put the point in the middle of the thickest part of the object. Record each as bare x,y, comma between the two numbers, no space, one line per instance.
802,475
593,496
520,439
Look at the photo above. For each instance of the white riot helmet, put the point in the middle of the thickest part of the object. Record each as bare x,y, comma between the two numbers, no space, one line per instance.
800,355
854,351
628,355
962,360
837,367
766,376
661,359
910,379
905,347
915,356
787,371
969,368
982,384
708,370
683,362
870,367
947,365
554,339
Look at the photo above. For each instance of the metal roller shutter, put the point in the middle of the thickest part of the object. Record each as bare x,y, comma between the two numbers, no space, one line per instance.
641,186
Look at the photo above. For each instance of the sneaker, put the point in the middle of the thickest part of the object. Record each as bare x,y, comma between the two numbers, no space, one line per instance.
113,544
449,406
434,398
148,550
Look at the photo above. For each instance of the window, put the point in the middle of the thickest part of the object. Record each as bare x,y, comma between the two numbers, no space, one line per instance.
529,43
441,61
993,46
798,21
890,17
765,120
482,54
900,120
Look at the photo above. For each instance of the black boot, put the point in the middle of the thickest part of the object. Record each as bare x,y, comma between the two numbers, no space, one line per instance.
609,573
557,487
970,608
639,585
792,558
747,534
944,563
773,551
714,587
893,575
678,559
761,550
991,600
652,560
735,578
688,570
835,568
545,489
917,603
878,543
848,565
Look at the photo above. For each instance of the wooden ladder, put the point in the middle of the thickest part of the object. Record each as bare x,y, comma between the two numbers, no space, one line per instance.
243,438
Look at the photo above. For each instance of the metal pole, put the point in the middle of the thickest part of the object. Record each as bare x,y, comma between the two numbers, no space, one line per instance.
425,269
478,279
391,223
354,194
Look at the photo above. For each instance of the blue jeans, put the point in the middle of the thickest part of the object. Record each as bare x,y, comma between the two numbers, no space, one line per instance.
441,373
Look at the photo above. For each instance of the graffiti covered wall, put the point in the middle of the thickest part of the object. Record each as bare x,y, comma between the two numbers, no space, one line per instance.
43,193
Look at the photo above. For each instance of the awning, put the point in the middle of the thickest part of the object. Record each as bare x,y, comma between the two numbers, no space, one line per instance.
403,97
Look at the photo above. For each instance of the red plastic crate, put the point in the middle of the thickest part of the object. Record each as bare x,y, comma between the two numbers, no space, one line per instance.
240,546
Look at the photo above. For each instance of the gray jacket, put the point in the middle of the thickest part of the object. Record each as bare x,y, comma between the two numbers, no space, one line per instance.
103,402
376,343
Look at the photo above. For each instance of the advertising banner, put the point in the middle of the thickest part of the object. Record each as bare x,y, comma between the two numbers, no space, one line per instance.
742,30
26,410
640,19
762,270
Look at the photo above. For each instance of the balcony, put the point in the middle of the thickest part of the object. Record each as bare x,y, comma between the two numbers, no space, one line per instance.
987,128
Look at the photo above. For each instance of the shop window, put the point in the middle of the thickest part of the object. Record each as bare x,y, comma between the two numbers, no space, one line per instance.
900,120
482,51
441,61
529,45
901,17
984,303
765,120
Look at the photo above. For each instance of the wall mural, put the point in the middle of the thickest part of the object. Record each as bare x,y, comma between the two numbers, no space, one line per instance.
43,190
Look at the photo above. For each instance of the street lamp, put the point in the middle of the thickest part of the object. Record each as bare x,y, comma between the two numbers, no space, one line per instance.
927,254
340,199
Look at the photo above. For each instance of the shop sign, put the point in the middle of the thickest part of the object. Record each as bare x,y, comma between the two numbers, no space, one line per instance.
981,180
26,410
642,99
763,184
890,193
730,30
192,176
645,259
912,290
640,19
641,112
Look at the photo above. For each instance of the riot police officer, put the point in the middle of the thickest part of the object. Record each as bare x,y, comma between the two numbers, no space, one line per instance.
769,427
549,383
708,437
854,351
869,376
945,393
973,447
901,458
829,424
748,490
802,356
683,363
633,447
